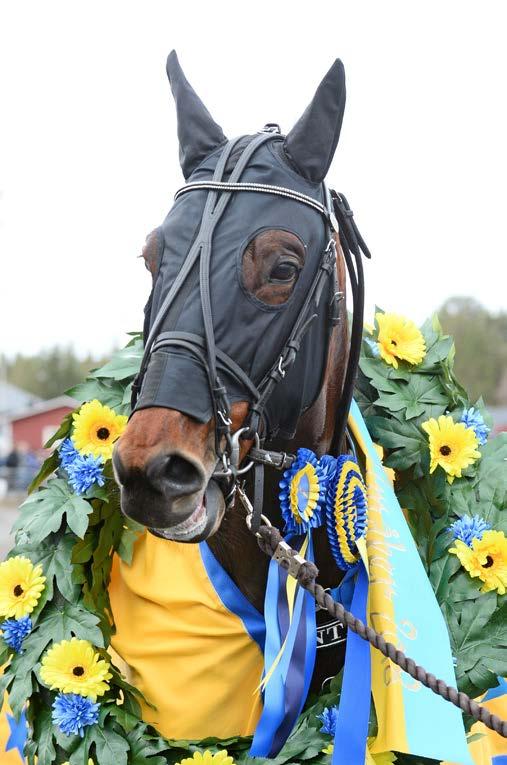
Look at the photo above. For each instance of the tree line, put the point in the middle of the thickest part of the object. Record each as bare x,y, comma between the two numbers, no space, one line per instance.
481,356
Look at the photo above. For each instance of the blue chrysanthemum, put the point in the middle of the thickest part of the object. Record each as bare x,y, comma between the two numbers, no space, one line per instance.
68,453
472,418
302,493
328,720
85,471
73,713
467,529
14,631
346,511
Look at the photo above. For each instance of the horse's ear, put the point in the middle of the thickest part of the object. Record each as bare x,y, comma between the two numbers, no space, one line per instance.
198,133
311,144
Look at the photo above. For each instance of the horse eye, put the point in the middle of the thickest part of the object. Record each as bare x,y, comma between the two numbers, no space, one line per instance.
284,272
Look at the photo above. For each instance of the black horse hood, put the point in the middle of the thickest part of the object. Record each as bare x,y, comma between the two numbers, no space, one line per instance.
249,333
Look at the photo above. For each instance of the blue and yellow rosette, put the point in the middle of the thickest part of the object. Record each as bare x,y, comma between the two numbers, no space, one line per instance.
303,492
346,512
346,516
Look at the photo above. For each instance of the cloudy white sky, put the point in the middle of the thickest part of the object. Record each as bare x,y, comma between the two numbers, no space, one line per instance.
88,150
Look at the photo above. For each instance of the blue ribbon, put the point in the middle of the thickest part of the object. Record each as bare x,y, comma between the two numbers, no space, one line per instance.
354,709
287,688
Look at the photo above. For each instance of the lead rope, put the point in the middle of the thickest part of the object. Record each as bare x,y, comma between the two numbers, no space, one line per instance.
305,572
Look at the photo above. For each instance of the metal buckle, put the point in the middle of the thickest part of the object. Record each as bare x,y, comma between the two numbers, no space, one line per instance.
284,557
271,127
230,460
282,371
249,511
225,419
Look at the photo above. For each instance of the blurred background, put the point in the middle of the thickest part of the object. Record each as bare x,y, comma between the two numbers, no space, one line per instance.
89,165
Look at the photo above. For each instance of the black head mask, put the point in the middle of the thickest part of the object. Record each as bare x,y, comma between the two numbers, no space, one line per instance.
199,298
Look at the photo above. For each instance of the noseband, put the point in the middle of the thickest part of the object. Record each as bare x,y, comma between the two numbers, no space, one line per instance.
337,219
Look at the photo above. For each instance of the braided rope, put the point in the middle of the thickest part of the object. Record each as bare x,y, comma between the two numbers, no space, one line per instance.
269,538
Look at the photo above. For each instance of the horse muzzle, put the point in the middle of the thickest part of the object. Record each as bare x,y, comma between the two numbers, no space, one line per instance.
171,496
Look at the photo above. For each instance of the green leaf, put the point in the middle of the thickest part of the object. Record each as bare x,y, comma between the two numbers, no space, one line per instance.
127,720
440,573
43,733
55,559
412,397
124,364
108,392
143,750
67,620
48,468
42,513
62,432
404,439
111,748
130,534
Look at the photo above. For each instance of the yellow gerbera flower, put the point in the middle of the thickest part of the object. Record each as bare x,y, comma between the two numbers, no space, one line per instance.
399,338
486,558
73,666
21,584
96,428
208,758
453,446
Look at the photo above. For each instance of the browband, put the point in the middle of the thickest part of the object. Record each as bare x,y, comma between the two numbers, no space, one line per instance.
263,188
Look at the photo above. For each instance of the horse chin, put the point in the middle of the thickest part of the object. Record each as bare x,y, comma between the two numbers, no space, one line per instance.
202,523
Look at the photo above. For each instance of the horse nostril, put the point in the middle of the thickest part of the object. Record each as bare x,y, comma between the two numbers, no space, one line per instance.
175,475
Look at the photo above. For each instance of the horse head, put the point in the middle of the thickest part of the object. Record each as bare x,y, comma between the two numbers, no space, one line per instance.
237,328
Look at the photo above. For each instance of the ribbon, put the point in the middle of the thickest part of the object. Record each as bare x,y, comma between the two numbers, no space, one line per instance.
354,708
289,656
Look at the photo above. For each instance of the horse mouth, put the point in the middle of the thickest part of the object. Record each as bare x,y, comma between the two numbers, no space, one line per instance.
202,523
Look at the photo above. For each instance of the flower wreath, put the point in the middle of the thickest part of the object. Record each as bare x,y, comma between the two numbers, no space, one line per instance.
54,600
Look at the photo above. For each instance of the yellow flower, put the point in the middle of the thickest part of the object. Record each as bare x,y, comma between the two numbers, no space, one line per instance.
208,758
329,749
486,558
21,584
96,428
453,446
399,338
73,666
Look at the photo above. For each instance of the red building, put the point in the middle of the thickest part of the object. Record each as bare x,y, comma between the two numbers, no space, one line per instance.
34,426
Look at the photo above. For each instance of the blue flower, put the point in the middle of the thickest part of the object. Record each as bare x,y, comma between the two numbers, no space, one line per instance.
72,713
68,453
328,720
84,472
302,493
474,419
467,529
15,631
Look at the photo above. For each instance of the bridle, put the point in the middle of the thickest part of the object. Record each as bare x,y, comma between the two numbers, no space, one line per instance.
337,219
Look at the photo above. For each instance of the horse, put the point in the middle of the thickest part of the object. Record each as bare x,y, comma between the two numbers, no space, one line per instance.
174,461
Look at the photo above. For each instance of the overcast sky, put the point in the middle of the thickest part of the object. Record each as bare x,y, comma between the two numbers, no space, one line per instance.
89,156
